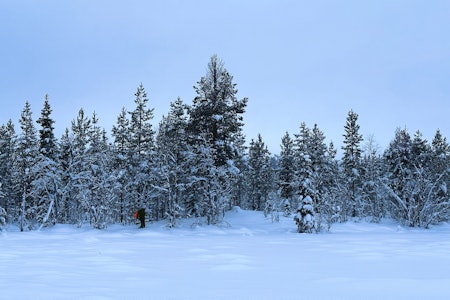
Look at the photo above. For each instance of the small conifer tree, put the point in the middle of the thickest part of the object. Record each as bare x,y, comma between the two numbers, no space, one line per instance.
305,216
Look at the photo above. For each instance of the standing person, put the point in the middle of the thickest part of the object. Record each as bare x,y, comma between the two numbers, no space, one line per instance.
140,214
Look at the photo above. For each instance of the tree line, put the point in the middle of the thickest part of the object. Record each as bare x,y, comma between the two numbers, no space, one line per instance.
196,164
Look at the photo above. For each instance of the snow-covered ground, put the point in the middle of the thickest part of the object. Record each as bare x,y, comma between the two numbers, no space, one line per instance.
252,258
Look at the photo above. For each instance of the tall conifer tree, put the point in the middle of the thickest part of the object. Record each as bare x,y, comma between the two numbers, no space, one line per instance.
81,128
217,111
7,149
260,173
287,168
25,159
47,141
142,153
173,154
351,163
46,185
121,153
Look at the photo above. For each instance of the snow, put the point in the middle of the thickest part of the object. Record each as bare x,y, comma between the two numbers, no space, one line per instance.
248,257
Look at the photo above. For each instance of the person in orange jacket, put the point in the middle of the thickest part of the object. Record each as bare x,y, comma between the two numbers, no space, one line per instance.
140,214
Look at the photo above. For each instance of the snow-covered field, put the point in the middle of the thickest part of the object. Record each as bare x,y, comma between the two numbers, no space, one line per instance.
252,258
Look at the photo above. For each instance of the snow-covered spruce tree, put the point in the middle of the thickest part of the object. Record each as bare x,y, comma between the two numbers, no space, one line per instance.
305,217
7,148
351,165
46,189
47,181
398,158
421,151
302,163
142,156
206,189
440,153
320,184
68,167
286,172
121,153
25,154
440,163
80,170
330,206
217,111
418,195
316,174
260,176
47,141
430,194
217,114
172,157
101,184
373,193
237,170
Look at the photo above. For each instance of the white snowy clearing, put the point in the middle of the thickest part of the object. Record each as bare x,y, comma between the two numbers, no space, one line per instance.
252,258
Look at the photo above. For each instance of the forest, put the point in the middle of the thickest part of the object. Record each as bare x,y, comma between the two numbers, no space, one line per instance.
197,164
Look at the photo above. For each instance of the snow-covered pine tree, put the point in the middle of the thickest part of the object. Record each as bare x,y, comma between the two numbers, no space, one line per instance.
68,167
172,152
398,158
47,141
302,163
440,155
217,111
142,155
440,164
205,194
286,171
80,169
440,146
319,183
121,153
47,181
421,150
102,183
141,129
330,207
372,191
45,189
7,148
418,195
305,217
167,179
351,164
440,149
25,154
430,195
260,177
199,164
237,170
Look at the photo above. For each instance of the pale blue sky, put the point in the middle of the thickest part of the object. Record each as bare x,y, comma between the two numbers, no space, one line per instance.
296,61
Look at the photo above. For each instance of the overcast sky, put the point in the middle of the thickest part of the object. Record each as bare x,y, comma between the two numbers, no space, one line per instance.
310,61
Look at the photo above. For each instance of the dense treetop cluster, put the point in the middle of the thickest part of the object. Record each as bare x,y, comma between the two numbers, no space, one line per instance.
196,165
